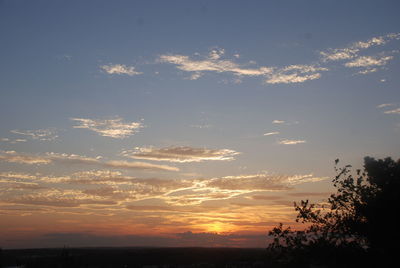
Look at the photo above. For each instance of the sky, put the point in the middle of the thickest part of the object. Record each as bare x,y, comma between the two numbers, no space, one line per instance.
186,123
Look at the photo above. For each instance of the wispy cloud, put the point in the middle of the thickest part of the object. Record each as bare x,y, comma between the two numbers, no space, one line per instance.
368,61
14,157
114,128
384,105
283,78
291,142
217,61
222,188
13,141
368,71
394,111
351,51
278,122
214,63
108,188
120,69
295,74
262,181
181,154
59,198
271,133
48,134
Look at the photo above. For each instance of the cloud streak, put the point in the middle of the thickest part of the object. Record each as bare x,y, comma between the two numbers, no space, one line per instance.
394,111
271,133
14,157
113,128
291,142
181,154
49,134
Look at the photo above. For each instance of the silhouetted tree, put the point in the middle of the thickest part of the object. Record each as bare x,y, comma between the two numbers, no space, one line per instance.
359,220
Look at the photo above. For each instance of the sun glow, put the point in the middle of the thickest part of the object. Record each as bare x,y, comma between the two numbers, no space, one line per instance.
218,227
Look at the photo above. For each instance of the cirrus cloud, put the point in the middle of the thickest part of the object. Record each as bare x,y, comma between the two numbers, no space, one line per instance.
23,158
291,142
181,154
114,128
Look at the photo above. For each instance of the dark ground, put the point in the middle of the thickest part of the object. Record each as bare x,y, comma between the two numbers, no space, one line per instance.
134,257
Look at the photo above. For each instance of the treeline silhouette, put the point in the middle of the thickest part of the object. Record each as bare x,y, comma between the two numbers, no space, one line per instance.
357,227
134,257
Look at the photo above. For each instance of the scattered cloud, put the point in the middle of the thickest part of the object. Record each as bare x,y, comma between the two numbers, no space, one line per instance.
212,63
295,74
58,198
201,126
394,111
120,69
271,133
368,61
216,54
368,71
261,182
222,188
195,76
114,128
49,134
352,51
14,157
13,141
217,61
181,154
281,78
291,142
384,105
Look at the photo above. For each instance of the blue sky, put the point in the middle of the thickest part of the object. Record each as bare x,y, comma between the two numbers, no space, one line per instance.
201,96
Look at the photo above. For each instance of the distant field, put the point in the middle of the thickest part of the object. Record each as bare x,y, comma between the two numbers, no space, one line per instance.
134,257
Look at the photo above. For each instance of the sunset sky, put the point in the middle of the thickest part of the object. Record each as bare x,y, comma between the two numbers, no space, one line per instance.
186,123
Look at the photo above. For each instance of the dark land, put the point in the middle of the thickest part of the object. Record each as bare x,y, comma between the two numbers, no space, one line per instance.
134,257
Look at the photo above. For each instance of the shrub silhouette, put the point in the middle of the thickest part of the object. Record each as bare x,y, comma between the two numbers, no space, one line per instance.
358,226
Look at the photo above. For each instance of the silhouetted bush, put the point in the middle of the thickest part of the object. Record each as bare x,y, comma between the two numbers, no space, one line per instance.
356,228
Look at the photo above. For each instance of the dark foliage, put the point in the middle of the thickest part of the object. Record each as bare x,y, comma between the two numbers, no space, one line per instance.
356,228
